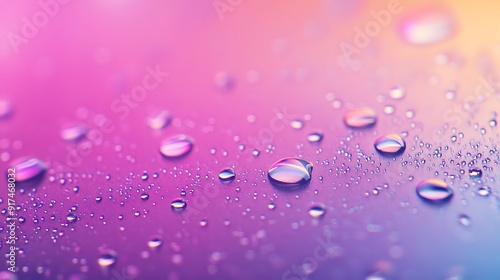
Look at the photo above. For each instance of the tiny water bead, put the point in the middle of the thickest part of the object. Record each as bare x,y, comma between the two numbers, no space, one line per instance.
73,132
178,204
390,144
315,137
107,259
27,168
155,242
360,117
160,121
434,190
290,172
317,210
227,175
176,146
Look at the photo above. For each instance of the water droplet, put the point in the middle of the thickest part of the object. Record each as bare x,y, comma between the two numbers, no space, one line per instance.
290,172
315,137
107,259
204,223
389,109
155,242
73,132
160,121
450,95
360,118
475,173
176,146
390,144
71,217
296,124
27,168
271,206
492,123
317,210
434,190
484,191
178,204
464,220
224,80
227,175
145,176
144,196
5,108
397,93
427,27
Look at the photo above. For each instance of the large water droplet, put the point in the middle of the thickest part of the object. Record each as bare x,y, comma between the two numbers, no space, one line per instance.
227,175
160,121
178,204
107,259
434,190
427,27
27,168
290,172
176,146
390,144
73,132
317,210
360,118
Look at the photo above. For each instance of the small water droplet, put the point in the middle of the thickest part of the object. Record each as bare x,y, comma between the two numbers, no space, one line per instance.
176,146
224,80
178,204
397,93
315,137
71,217
390,144
73,132
317,210
434,190
492,123
144,196
28,168
450,94
484,191
271,206
160,121
290,172
360,118
107,259
389,109
296,124
464,220
475,173
227,175
155,242
427,27
5,109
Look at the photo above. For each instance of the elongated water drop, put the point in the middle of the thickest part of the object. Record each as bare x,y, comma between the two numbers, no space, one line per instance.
176,146
73,132
427,27
390,144
475,173
315,137
484,191
27,168
178,205
107,259
290,172
160,121
227,175
317,210
434,190
155,242
360,118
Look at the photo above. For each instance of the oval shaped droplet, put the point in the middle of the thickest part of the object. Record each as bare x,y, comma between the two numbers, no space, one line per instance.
176,146
107,259
178,204
317,210
434,190
160,121
475,173
155,242
28,168
426,27
227,175
73,132
315,137
290,172
390,144
360,118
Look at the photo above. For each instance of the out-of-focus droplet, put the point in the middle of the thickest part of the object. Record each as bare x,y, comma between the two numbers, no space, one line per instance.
178,204
27,168
160,121
317,210
296,124
475,173
290,172
464,220
155,242
176,146
434,190
5,108
397,93
7,275
224,80
427,27
390,144
227,175
315,137
360,118
107,259
73,132
389,109
450,95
